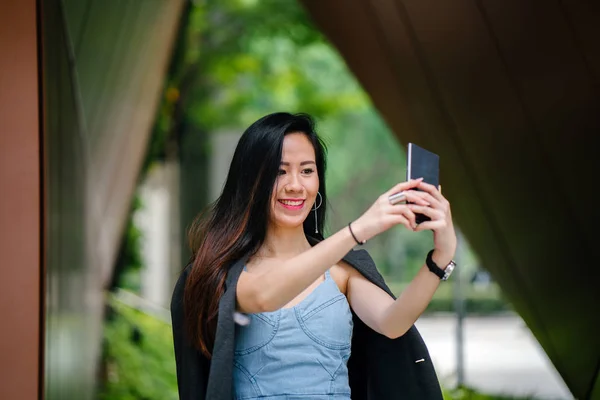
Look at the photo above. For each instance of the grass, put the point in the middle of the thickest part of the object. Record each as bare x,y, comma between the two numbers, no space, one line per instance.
465,393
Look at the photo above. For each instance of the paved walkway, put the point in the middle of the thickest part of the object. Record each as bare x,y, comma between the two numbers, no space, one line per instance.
501,356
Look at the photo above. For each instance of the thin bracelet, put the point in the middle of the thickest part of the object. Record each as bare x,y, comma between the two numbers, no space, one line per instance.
352,233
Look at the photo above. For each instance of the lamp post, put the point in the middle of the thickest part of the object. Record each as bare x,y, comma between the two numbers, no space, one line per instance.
459,307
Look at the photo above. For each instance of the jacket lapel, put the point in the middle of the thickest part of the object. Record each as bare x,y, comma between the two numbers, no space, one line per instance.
221,369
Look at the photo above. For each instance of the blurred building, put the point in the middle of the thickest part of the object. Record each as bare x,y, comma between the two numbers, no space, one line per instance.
80,81
159,217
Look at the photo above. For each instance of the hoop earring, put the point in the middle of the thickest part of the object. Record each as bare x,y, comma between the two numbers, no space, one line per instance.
315,208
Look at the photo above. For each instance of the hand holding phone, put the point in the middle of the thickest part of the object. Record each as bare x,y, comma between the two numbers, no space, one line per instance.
421,163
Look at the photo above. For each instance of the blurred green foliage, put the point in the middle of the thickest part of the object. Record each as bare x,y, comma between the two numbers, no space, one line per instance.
238,60
126,273
465,393
139,360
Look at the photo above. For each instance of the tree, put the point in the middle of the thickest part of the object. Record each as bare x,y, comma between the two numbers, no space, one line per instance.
238,60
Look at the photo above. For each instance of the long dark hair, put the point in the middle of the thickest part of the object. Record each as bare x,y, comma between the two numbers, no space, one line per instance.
236,224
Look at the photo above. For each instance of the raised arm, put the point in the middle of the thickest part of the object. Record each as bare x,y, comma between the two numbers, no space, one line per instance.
375,307
275,287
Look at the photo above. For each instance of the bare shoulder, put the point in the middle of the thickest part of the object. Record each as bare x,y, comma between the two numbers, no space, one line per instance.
341,272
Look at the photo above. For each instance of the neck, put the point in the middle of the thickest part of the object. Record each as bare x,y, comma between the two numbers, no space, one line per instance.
284,243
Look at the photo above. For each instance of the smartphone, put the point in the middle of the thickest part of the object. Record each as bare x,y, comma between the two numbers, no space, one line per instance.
422,163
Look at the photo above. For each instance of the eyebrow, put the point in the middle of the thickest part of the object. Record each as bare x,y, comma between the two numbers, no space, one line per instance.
287,164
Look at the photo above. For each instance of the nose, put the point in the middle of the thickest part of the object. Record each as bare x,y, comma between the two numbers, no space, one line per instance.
293,184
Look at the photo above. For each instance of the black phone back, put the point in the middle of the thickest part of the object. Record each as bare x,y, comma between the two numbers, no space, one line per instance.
424,164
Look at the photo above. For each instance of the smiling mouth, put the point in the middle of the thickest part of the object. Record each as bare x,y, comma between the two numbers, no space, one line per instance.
293,204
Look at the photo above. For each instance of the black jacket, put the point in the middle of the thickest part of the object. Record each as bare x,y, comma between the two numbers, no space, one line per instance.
379,368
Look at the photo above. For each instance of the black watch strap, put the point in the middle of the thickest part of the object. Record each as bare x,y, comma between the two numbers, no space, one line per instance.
433,266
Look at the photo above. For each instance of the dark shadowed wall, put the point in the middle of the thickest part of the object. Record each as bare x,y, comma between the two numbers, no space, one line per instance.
508,93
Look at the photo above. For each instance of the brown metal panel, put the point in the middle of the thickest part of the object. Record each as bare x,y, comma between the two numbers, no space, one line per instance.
506,93
531,169
581,18
437,129
19,202
443,125
555,89
556,92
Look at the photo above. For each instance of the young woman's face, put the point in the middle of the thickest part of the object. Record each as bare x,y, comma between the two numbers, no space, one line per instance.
297,184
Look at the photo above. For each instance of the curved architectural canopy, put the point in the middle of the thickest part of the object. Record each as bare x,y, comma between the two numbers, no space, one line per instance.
507,92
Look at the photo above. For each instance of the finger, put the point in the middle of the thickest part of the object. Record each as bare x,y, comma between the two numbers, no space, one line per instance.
408,214
400,219
428,211
433,202
410,217
412,196
432,190
430,225
403,186
437,200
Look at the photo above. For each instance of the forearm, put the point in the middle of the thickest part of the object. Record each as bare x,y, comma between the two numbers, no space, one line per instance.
411,303
278,286
274,288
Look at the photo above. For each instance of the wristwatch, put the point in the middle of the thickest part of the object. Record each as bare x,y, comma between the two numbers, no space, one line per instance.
443,274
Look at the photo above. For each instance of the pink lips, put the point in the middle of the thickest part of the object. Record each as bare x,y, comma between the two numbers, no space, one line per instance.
292,206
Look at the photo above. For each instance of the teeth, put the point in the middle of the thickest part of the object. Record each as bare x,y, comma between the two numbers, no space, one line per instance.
291,202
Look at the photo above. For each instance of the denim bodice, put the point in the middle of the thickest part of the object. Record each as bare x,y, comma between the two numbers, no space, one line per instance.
299,352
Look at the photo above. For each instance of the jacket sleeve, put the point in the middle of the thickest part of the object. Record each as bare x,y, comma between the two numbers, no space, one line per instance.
192,366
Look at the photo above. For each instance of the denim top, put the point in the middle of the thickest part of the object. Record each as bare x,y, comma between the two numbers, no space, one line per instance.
298,352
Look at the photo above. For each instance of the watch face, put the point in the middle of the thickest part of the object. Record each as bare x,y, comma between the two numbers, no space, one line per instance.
448,270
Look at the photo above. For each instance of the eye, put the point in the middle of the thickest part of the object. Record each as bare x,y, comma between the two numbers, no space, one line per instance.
308,171
281,172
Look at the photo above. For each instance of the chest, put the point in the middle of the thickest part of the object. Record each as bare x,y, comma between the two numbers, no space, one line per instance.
322,318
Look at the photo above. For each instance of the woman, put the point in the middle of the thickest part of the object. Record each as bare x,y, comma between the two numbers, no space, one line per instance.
317,320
